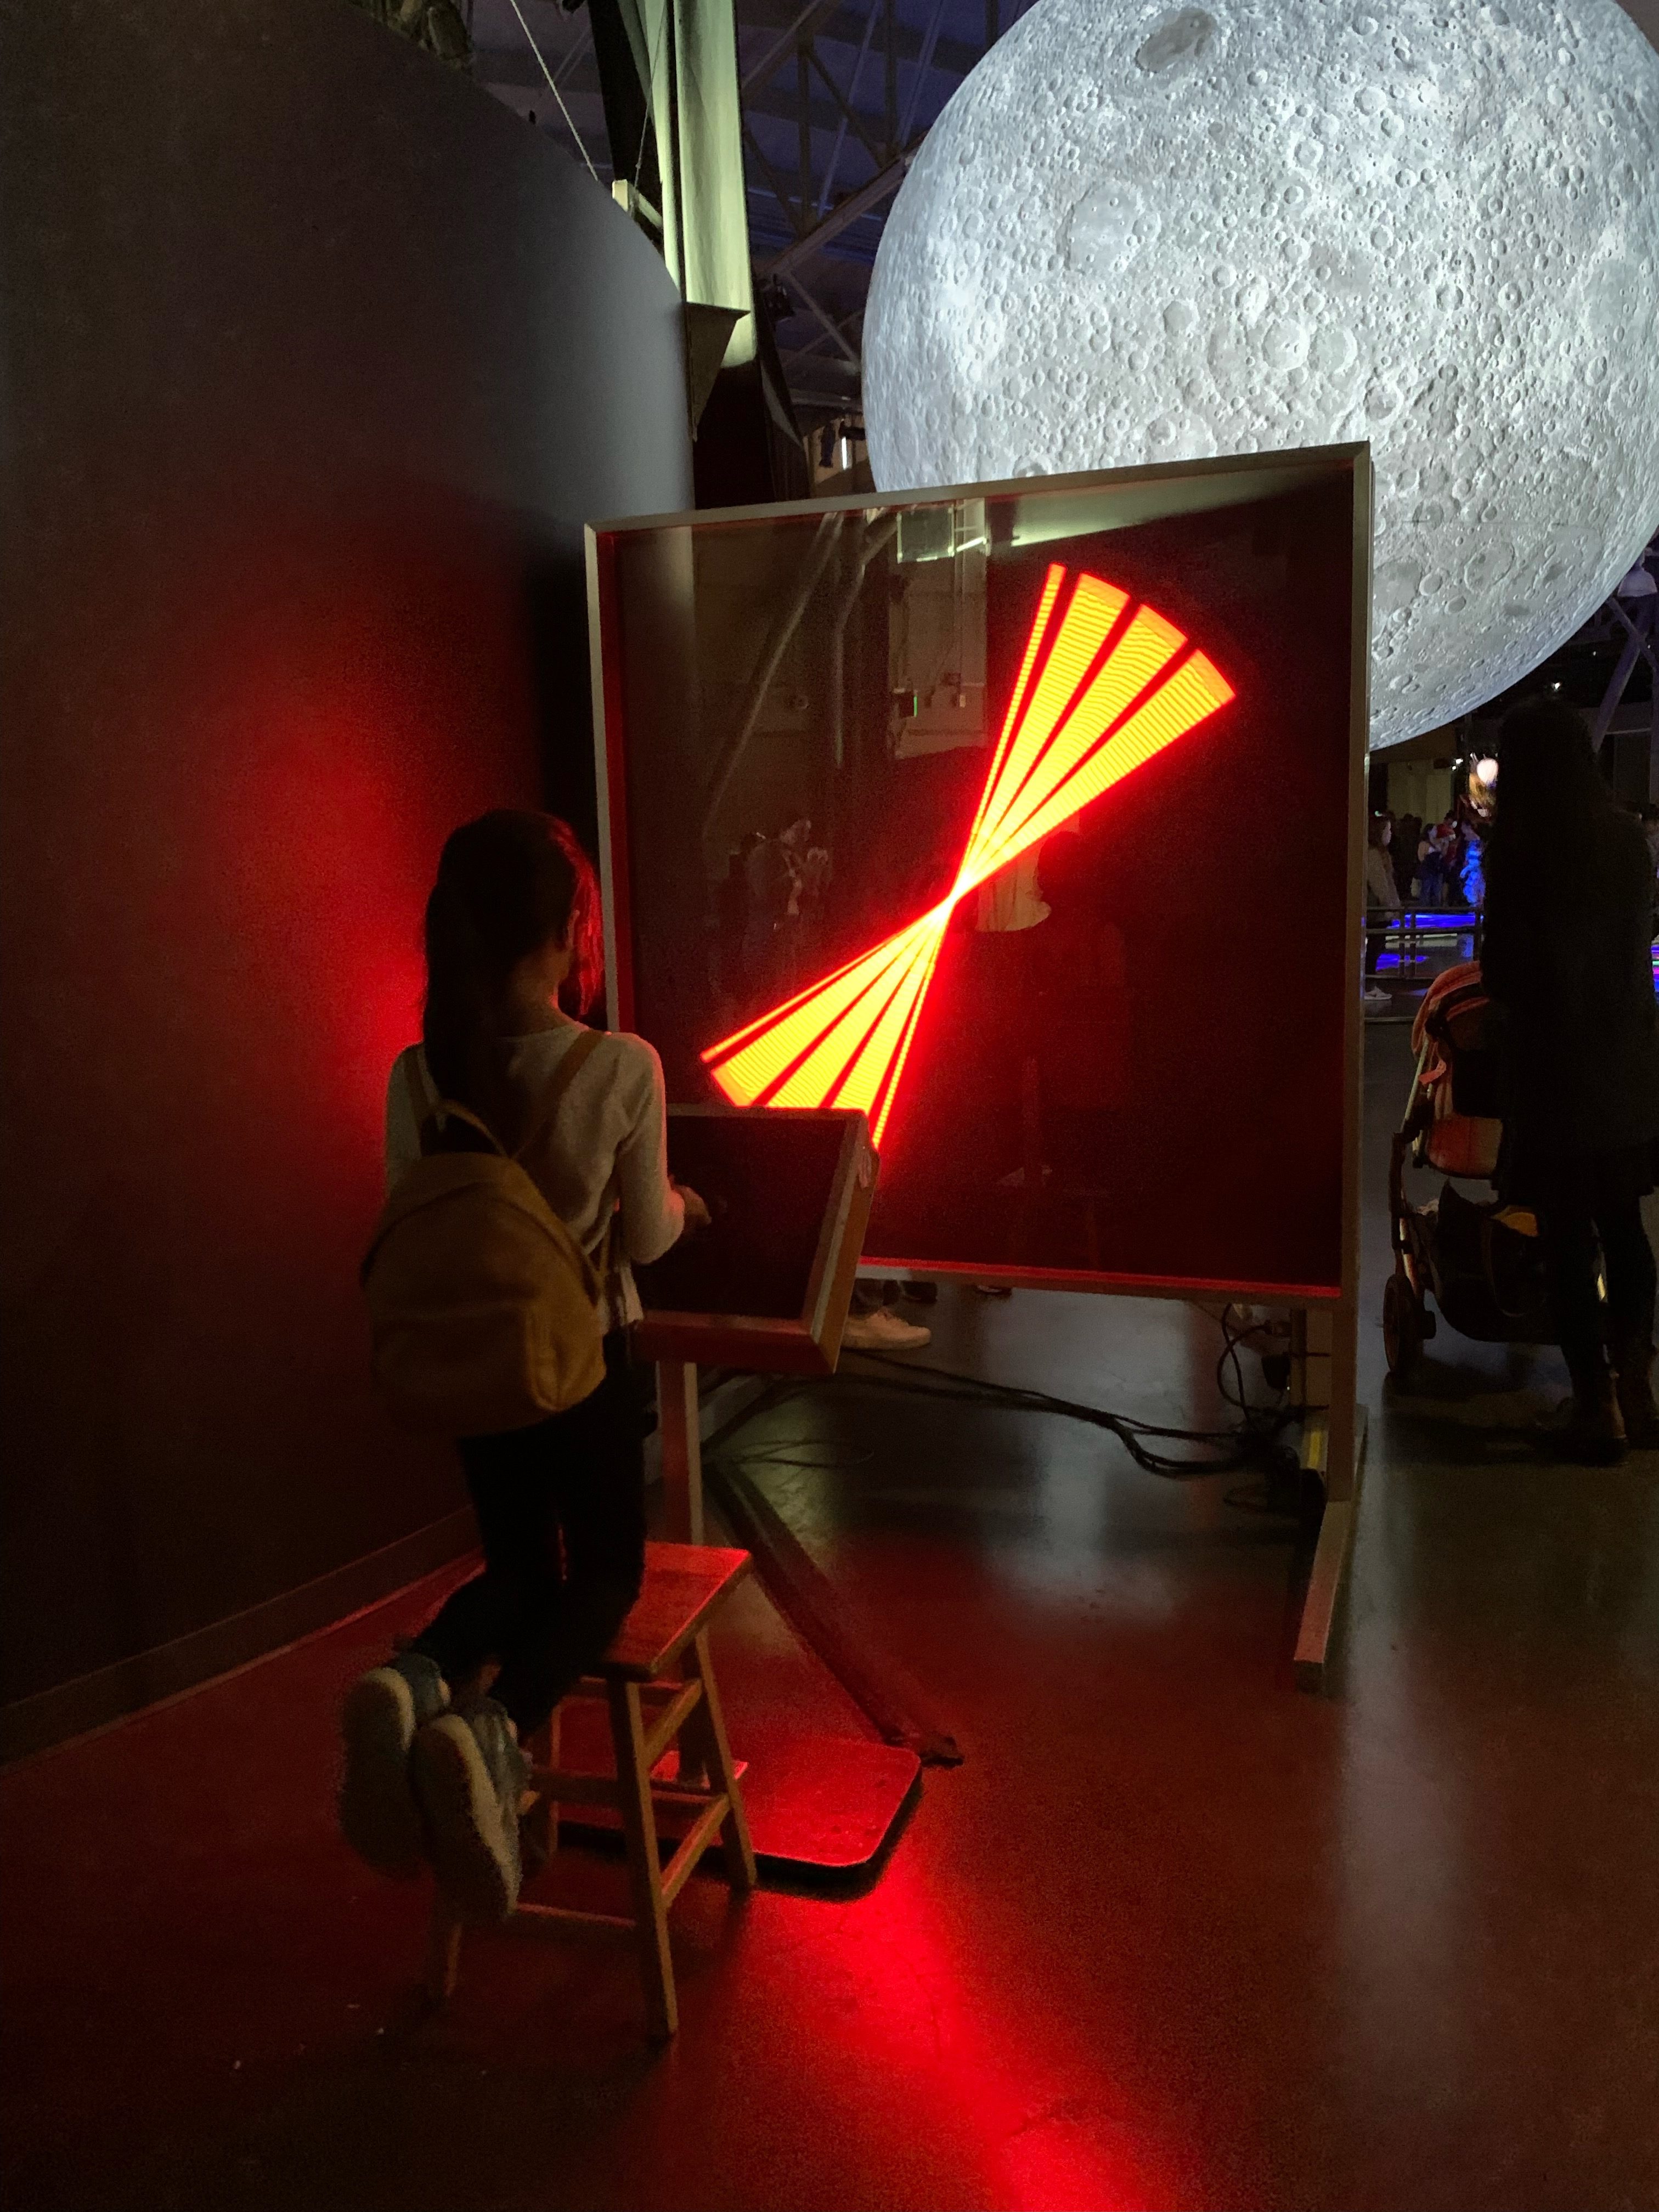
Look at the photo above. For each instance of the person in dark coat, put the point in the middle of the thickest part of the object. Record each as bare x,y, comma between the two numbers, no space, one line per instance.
1403,851
1567,962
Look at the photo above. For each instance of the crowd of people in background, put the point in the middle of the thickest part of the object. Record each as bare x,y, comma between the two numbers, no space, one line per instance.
1418,867
1413,865
1431,863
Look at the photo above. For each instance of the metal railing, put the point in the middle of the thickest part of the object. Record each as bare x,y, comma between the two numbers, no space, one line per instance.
1405,951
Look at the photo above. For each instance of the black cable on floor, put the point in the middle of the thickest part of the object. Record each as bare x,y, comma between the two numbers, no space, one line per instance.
1256,1441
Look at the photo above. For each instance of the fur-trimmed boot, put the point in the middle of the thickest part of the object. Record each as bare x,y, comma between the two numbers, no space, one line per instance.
1632,1368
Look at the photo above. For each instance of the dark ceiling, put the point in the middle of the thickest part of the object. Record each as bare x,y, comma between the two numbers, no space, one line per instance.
836,97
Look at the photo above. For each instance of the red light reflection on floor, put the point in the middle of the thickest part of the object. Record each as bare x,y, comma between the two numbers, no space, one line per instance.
1031,2104
1101,689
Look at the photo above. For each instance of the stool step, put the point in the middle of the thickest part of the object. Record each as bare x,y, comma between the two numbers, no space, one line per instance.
594,1689
552,1787
555,1786
698,1838
667,1724
567,1916
683,1585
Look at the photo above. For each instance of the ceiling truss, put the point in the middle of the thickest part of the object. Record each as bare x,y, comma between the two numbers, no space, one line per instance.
837,97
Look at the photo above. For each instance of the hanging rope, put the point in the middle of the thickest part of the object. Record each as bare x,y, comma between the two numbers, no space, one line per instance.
554,89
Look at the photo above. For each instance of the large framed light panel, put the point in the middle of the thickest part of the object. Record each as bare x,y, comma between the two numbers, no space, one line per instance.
1027,819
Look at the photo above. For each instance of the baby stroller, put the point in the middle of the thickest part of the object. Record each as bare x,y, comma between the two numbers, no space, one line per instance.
1477,1258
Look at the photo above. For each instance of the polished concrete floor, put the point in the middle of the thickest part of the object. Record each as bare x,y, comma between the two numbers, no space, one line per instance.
1173,1936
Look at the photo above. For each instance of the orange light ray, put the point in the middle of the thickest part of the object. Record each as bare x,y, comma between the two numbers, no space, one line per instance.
1051,583
880,1127
745,1070
1088,620
872,1078
831,1066
1195,691
845,1040
730,1044
1147,648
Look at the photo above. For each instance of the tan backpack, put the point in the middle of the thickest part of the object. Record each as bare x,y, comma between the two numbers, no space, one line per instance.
482,1307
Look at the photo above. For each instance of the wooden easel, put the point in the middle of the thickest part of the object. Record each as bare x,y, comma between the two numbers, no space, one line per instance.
1324,1349
681,1434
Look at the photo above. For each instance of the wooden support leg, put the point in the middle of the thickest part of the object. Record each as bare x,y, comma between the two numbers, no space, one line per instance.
1324,1350
707,1723
680,1426
681,1432
644,1866
1332,1556
693,1767
542,1824
443,1950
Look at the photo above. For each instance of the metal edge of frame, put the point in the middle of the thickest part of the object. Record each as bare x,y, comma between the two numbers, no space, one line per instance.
1335,1447
1296,468
1331,1562
615,1014
1344,1346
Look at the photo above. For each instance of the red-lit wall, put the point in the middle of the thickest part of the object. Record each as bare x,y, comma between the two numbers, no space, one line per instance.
325,358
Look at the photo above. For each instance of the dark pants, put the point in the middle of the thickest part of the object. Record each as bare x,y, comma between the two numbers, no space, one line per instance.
1569,1234
560,1510
1377,917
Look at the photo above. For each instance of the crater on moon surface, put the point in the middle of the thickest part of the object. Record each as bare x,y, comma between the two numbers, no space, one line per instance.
1182,37
1141,233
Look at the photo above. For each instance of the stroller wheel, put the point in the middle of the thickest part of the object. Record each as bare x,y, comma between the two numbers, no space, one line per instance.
1403,1329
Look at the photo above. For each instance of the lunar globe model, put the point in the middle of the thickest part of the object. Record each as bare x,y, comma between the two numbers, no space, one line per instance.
1139,235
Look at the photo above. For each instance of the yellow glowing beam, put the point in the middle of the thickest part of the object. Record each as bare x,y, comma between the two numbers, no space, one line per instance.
1148,645
844,1041
1094,608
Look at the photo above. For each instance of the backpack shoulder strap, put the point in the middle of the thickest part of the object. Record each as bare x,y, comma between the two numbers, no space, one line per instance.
428,1110
424,1108
576,1057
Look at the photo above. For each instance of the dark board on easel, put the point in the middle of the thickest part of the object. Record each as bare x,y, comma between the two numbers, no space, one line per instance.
767,1284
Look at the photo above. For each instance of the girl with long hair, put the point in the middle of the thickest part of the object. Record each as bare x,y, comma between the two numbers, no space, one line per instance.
512,939
1567,960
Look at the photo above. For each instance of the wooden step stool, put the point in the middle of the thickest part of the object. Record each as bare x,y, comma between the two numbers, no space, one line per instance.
660,1654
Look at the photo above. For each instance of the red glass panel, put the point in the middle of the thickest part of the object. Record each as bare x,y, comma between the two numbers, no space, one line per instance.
1096,697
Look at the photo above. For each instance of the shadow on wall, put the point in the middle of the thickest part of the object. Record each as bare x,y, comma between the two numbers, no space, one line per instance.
328,359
